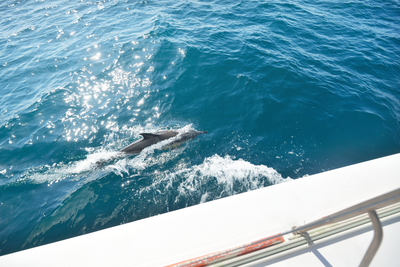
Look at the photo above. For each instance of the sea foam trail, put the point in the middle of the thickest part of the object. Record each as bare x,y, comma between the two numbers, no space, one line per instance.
216,177
227,171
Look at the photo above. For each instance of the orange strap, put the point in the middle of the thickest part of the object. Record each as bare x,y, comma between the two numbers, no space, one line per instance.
230,253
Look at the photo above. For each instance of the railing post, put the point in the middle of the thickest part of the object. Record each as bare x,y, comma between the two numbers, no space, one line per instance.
376,241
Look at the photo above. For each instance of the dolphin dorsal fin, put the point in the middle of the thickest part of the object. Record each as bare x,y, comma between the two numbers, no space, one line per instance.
148,135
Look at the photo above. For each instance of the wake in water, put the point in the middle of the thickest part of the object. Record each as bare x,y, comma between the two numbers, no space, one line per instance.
228,175
216,177
150,183
97,158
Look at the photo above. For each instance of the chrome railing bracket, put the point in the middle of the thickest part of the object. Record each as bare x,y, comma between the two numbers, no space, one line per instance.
376,241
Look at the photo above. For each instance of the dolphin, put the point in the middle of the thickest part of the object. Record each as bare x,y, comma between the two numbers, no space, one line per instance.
153,138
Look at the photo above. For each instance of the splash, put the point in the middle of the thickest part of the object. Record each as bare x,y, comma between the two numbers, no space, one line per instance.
231,176
215,178
115,162
74,171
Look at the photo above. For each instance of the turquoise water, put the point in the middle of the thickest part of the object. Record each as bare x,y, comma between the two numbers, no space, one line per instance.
284,90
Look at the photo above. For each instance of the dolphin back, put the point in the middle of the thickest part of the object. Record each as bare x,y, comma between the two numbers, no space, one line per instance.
184,137
138,146
147,140
147,136
153,138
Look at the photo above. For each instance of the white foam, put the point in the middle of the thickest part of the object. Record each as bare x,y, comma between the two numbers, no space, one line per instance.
226,175
204,197
60,171
227,170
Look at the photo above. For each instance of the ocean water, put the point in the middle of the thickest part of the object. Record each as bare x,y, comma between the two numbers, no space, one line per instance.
285,89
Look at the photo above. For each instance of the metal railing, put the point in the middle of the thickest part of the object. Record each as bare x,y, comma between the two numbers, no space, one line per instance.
370,207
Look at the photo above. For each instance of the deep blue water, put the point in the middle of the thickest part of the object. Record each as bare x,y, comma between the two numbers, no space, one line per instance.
285,89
